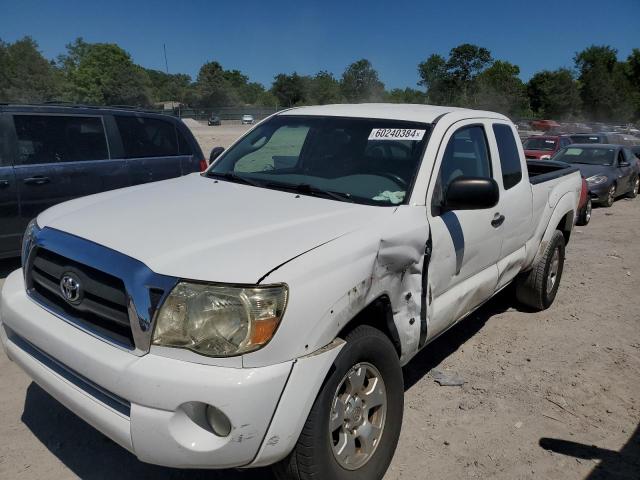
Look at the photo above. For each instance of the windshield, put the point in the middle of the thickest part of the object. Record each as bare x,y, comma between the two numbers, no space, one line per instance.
544,144
586,139
359,160
588,156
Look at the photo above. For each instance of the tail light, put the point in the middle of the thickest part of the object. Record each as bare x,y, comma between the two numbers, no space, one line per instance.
203,165
584,193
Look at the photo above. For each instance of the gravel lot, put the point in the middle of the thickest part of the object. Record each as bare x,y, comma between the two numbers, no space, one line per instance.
550,395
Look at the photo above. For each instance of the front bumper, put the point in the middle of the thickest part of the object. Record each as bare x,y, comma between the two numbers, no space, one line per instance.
599,193
151,405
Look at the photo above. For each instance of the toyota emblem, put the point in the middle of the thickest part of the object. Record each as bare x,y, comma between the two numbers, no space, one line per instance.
70,288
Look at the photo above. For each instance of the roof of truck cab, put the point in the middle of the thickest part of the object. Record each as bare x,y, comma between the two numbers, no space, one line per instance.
391,111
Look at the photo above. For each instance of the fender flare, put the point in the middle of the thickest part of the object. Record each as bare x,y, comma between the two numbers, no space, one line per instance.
565,207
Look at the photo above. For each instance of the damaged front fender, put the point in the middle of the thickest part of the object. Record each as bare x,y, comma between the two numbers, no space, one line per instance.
331,284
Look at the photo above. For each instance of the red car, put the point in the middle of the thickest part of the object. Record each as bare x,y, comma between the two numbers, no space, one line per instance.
543,147
544,125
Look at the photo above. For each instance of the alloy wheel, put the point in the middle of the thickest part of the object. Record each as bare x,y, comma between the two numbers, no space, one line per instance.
358,414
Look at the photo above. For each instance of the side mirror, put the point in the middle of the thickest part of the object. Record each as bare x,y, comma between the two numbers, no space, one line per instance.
215,153
472,193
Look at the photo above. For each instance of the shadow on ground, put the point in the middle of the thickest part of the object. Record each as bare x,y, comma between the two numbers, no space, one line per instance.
449,342
91,455
624,464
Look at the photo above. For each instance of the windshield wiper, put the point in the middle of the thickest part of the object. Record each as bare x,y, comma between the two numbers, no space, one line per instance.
307,189
232,177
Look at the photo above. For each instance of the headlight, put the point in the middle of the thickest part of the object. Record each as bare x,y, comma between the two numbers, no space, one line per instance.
220,320
597,179
27,239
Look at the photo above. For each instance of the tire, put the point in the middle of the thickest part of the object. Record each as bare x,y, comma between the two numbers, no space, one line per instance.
633,193
535,288
313,457
611,196
585,215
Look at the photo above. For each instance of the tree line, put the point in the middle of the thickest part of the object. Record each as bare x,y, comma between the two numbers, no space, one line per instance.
599,87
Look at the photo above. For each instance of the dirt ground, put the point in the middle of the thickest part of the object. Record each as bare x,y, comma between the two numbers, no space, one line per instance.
550,395
219,136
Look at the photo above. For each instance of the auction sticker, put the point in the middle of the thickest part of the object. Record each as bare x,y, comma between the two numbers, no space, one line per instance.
396,134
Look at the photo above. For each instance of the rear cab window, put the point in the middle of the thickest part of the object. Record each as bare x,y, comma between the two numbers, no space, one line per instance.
59,138
509,156
147,137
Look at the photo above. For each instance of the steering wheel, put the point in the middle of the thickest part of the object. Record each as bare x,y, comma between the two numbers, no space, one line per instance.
398,180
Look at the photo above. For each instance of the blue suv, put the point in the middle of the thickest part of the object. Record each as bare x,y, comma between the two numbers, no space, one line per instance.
52,153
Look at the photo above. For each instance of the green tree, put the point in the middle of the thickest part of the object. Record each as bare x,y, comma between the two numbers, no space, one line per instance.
605,90
168,87
104,74
407,95
360,82
289,90
554,94
467,61
324,89
434,78
633,74
267,99
25,75
214,88
499,88
252,92
452,80
247,92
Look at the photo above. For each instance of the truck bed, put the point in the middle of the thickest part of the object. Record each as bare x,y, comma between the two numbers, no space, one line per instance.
544,170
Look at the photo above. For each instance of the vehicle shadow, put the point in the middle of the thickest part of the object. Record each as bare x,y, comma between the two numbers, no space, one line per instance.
624,464
450,341
92,456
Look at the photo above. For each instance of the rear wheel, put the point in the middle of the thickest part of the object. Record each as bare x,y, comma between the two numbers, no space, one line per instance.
353,427
585,216
633,193
538,287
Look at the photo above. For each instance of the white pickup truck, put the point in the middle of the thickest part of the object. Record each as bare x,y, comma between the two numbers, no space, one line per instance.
259,313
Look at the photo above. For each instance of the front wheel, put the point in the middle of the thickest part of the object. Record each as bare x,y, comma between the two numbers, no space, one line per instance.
585,216
633,193
611,196
353,428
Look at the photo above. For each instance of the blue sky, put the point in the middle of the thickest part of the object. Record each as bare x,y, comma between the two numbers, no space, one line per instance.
263,38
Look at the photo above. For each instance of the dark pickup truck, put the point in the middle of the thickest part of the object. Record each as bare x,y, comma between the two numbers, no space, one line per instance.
50,154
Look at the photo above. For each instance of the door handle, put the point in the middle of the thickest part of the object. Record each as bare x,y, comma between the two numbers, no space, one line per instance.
4,183
497,220
39,180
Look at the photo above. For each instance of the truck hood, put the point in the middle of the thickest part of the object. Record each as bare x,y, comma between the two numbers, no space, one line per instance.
199,228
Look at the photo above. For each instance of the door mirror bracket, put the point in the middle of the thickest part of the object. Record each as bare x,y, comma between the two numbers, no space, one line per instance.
215,153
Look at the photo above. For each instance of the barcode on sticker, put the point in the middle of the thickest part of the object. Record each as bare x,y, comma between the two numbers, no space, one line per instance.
396,134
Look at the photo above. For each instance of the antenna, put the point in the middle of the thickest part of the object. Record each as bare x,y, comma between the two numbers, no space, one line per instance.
166,65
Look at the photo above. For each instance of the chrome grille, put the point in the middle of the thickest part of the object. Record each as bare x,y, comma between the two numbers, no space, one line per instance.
118,296
104,302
